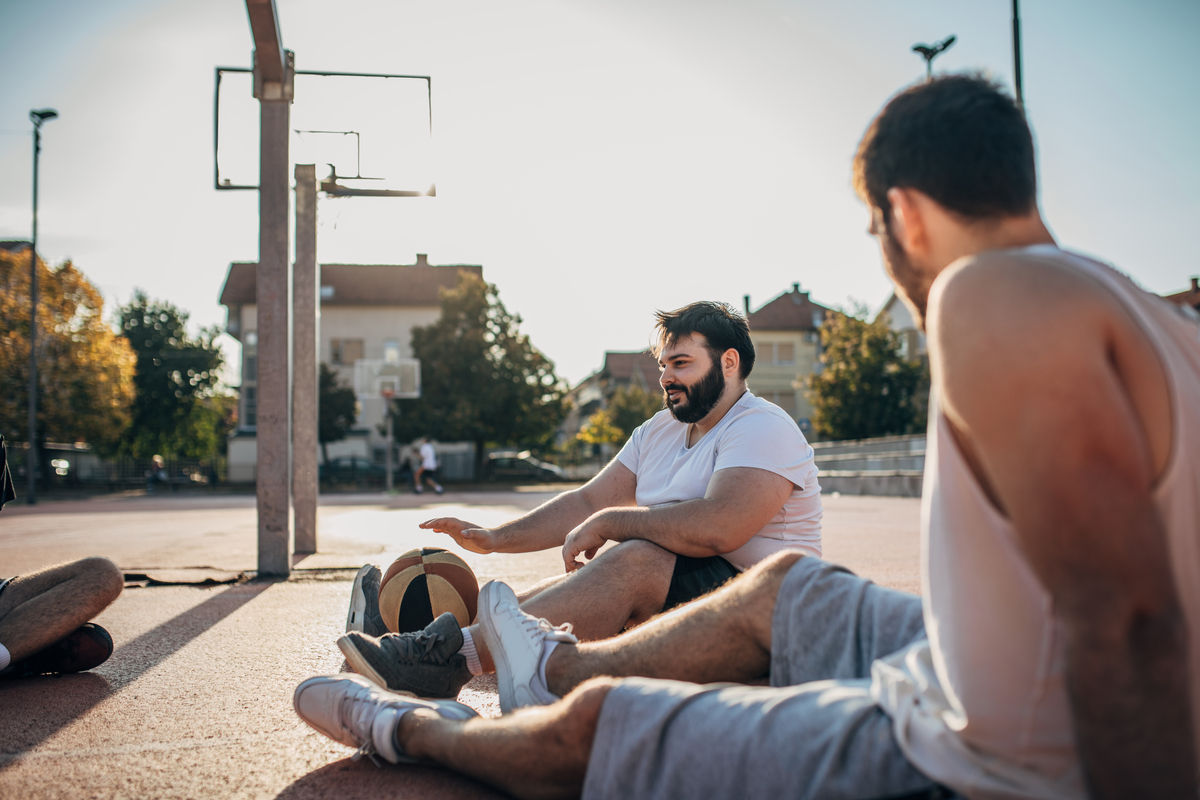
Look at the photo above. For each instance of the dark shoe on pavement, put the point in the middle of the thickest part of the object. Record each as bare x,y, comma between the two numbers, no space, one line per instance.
86,647
426,662
353,711
516,641
364,603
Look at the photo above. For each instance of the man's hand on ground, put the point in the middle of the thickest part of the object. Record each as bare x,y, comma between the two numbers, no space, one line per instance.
468,535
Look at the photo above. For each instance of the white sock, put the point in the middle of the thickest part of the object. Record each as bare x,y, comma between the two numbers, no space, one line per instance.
470,653
383,734
547,648
5,657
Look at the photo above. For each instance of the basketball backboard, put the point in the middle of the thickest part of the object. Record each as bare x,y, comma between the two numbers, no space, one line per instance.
367,133
394,379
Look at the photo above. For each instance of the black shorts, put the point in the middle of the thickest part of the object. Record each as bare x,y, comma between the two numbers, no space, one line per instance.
693,577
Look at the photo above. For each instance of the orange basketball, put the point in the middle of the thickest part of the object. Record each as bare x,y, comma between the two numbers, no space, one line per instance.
423,584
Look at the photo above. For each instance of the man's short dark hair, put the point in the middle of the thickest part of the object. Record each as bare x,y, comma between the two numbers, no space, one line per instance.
960,139
719,323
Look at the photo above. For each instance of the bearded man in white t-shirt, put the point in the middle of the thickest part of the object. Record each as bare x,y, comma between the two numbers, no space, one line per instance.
714,483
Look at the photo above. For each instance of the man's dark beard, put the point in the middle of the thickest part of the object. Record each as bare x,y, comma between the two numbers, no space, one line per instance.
701,397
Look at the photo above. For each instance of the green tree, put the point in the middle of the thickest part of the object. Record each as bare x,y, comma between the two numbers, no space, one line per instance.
630,406
337,408
865,387
600,429
482,380
177,377
85,369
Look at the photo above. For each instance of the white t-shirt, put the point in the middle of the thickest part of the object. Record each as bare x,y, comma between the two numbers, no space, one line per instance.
753,433
428,456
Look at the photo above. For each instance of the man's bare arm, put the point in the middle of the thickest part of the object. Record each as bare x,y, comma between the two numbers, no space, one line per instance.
738,502
1028,367
547,525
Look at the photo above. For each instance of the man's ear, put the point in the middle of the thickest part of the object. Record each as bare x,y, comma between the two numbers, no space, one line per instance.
908,220
731,361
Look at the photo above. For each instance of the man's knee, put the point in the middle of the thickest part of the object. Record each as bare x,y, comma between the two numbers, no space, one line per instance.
581,707
103,576
771,570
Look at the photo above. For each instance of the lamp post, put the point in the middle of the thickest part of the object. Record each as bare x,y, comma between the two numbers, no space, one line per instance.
37,117
932,51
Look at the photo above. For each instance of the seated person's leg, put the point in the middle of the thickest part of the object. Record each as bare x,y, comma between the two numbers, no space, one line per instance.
41,608
667,739
538,752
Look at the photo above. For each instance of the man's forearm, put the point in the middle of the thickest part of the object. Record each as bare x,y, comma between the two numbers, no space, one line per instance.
1132,710
545,526
682,528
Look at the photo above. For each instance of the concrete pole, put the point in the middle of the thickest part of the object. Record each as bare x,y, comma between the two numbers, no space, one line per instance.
31,454
273,471
305,326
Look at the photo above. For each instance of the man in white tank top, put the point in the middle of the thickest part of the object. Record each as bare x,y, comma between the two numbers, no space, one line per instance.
1055,649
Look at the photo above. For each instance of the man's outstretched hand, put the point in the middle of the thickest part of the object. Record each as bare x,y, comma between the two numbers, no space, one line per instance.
468,535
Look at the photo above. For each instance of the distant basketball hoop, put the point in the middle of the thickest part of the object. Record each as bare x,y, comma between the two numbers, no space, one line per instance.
397,379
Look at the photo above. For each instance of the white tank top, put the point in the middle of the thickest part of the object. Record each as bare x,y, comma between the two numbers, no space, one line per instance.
982,705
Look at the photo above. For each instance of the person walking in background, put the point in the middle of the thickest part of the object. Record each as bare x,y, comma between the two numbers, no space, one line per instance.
429,467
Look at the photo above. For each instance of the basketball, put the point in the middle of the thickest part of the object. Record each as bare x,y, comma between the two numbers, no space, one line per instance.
423,584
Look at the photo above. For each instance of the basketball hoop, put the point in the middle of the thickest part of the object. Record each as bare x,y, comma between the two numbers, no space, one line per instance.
387,392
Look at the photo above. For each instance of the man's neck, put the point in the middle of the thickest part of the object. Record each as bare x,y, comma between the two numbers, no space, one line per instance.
729,398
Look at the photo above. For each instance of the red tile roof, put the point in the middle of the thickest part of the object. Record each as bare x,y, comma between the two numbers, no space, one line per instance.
791,311
638,367
359,284
1188,297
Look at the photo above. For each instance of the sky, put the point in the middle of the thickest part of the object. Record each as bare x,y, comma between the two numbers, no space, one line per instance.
600,158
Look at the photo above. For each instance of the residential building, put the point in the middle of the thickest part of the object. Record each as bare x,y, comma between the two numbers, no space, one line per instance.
787,344
621,368
1188,297
900,320
367,313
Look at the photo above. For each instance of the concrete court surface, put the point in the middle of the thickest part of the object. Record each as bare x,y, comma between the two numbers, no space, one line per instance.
196,700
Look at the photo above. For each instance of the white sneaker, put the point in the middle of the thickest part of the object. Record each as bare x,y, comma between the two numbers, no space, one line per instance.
355,712
517,641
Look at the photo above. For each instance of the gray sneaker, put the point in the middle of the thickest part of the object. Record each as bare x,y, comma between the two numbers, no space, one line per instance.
355,712
516,641
426,662
364,613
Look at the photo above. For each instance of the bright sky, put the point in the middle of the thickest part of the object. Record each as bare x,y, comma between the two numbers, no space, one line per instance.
600,158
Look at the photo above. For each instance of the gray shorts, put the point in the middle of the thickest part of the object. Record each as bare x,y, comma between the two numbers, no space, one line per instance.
814,732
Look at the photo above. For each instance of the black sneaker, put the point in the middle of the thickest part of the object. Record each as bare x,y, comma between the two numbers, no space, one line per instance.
426,662
84,648
364,613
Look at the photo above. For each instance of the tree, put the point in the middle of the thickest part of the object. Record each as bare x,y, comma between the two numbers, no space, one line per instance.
631,405
600,429
337,408
865,387
482,380
177,379
85,369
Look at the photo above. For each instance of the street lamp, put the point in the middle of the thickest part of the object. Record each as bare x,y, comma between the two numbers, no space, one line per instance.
932,51
37,117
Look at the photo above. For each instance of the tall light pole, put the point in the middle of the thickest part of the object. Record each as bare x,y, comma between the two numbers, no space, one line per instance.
37,117
931,51
1016,37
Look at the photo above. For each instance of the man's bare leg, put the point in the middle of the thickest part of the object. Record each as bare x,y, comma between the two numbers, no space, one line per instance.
623,587
539,752
41,608
723,636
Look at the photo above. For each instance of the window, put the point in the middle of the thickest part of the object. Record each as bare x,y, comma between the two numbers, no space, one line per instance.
778,353
391,351
249,406
345,352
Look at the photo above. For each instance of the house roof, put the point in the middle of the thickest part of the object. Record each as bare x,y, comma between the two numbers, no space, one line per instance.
14,245
790,311
635,367
1188,297
360,284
